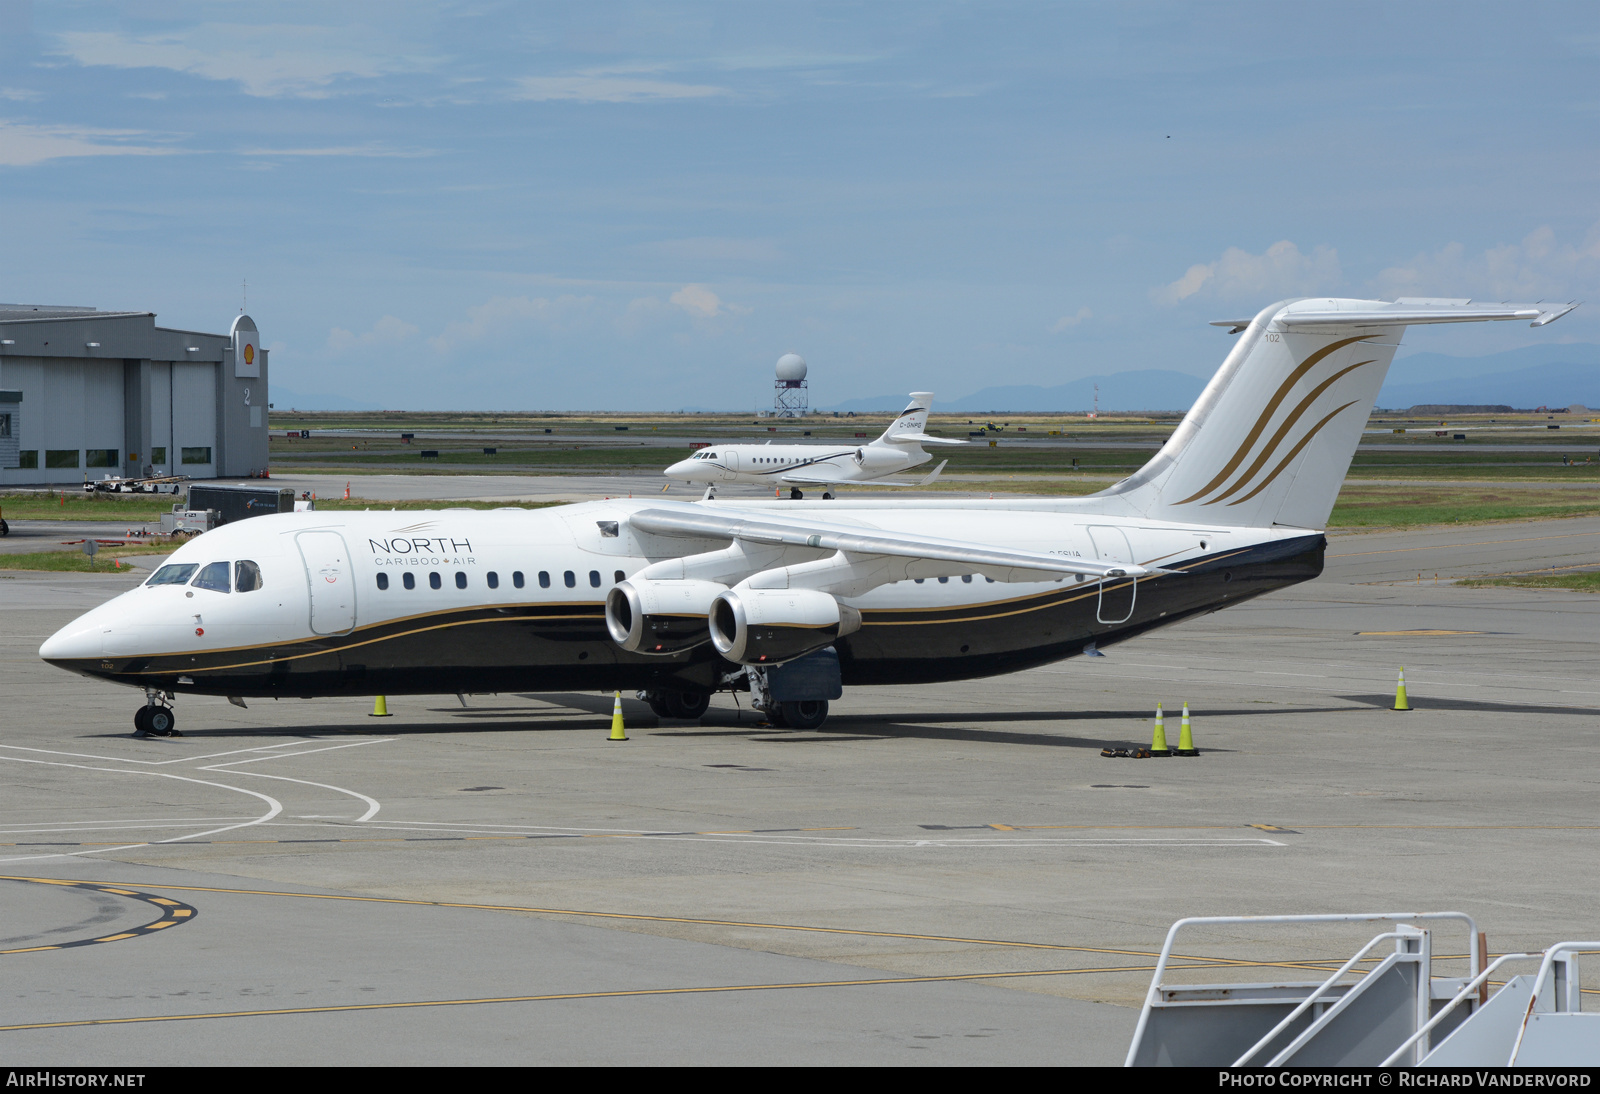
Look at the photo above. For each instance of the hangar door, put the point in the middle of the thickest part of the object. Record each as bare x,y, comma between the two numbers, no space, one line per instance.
333,589
1117,594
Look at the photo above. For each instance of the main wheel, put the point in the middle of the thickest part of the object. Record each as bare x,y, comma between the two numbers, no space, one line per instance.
688,704
805,714
658,703
796,494
160,722
141,721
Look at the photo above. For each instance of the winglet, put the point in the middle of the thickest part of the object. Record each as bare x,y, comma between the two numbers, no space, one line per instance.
933,474
1553,314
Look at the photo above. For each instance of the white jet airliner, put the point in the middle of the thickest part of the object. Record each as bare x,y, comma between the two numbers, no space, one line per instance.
798,465
789,600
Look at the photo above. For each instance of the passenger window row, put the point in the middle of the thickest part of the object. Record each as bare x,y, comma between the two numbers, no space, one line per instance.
492,579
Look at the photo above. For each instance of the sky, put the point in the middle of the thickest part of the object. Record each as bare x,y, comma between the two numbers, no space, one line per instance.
641,206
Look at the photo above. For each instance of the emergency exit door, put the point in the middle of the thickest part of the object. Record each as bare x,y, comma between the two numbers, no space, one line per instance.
1115,601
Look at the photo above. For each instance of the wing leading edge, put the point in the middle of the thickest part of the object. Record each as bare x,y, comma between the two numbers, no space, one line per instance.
1002,565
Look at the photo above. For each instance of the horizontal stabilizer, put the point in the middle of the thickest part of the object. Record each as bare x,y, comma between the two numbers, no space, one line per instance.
1404,312
918,438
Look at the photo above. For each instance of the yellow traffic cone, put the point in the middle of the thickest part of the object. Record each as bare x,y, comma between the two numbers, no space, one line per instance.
1400,692
380,709
616,720
1158,740
1185,738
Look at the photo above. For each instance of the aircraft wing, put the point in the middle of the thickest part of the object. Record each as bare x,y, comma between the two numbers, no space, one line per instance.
812,476
818,480
802,531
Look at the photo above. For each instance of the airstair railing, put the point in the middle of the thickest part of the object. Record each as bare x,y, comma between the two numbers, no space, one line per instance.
1153,996
1328,1015
1471,988
1539,981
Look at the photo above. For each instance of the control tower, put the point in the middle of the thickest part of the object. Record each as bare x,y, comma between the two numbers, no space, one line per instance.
791,398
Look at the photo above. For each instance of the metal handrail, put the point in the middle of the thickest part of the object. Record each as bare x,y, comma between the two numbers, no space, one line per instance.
1538,985
1311,999
1472,986
1475,955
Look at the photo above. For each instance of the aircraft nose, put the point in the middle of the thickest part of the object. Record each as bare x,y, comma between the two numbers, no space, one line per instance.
678,470
75,641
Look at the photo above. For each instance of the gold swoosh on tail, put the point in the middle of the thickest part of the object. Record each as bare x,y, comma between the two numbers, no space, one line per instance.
1283,431
1293,452
1266,415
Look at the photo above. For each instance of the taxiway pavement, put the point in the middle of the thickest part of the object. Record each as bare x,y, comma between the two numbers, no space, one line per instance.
944,874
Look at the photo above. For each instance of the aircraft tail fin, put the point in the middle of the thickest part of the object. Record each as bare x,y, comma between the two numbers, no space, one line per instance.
912,422
1272,435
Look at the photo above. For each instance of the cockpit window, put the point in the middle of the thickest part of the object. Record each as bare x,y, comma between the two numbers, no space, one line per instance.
213,576
246,576
173,574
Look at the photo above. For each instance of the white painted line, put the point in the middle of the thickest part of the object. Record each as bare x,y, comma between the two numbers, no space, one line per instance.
274,807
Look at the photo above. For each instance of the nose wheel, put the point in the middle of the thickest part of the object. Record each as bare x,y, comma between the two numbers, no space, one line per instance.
155,719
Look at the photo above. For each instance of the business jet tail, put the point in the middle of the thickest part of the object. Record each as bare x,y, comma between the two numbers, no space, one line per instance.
912,422
1270,438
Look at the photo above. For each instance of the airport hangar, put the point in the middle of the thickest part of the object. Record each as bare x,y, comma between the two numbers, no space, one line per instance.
87,394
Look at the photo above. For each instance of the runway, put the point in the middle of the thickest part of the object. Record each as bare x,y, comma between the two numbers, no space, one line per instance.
946,874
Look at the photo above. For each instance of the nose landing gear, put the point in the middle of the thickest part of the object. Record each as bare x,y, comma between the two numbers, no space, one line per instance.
155,718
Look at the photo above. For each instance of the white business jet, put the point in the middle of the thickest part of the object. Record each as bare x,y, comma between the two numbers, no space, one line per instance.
798,465
788,600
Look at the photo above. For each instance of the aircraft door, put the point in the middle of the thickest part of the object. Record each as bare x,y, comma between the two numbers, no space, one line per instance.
332,584
1115,600
730,460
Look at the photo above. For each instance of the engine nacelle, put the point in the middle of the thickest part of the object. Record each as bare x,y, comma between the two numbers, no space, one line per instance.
771,626
660,617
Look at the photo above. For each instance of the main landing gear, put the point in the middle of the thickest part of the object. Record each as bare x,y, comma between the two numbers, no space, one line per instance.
155,718
799,714
688,703
796,494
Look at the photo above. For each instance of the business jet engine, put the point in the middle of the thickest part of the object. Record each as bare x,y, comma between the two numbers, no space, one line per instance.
771,626
660,617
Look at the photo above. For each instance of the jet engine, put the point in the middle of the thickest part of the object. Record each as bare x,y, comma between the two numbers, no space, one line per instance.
771,626
660,617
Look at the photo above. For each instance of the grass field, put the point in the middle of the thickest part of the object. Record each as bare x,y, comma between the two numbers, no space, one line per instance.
1587,582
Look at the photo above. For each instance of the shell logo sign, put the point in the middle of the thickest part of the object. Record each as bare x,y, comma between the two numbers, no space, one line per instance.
249,354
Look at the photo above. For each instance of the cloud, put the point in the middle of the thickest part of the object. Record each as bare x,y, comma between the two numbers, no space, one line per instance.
20,94
1279,271
387,331
604,87
27,145
377,150
702,303
714,249
504,314
1068,321
1541,266
267,61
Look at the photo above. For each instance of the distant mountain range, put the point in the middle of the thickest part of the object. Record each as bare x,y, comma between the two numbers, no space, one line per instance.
283,398
1551,375
1547,375
1144,389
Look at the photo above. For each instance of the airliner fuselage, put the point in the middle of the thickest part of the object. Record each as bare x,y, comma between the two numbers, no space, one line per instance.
311,604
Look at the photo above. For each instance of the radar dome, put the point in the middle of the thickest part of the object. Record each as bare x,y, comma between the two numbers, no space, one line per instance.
791,366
